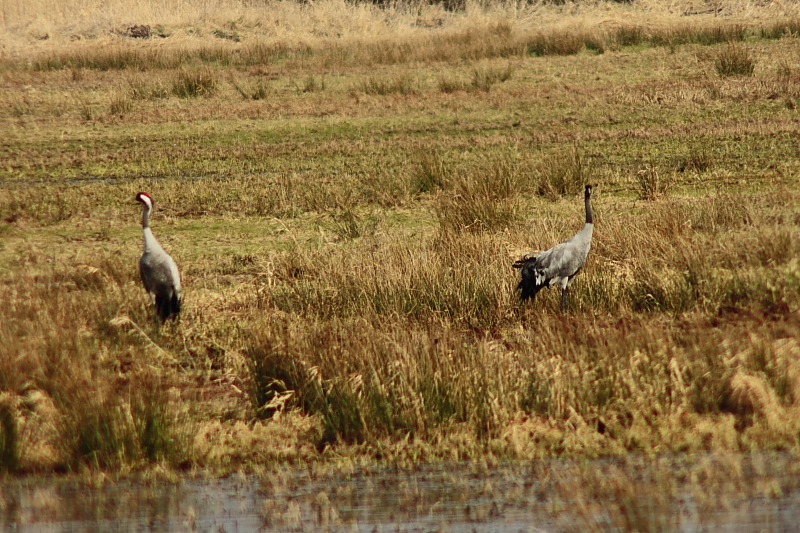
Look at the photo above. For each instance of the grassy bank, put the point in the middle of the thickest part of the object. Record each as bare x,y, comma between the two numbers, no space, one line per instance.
345,209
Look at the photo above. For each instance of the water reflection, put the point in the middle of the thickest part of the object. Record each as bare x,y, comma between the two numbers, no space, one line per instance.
726,494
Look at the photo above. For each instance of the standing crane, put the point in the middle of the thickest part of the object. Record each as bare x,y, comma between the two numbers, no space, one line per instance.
560,264
158,270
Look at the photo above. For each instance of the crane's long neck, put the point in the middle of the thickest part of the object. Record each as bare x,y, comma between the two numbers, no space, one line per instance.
588,209
147,234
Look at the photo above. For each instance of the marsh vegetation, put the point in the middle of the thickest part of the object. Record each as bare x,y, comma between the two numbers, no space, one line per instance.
345,187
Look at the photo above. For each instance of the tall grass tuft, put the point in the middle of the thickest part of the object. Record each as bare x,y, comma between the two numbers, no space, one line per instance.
556,43
120,104
431,173
780,29
106,58
482,201
96,433
259,90
194,83
698,160
348,225
483,78
274,383
312,84
154,423
141,90
403,85
449,84
698,34
630,35
561,174
734,60
652,184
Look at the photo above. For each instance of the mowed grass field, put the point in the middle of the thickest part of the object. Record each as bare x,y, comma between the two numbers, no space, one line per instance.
345,187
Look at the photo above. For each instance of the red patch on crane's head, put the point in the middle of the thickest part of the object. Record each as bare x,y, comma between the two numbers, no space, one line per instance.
144,198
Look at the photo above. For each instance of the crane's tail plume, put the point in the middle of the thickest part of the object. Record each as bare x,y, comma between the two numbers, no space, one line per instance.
532,279
176,304
168,306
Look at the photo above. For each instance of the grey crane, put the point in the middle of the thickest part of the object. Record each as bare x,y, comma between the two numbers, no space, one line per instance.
560,264
158,270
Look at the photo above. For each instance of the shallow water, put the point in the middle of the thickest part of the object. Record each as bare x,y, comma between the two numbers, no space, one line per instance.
734,496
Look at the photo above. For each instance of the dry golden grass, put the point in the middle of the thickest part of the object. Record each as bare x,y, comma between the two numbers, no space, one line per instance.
345,206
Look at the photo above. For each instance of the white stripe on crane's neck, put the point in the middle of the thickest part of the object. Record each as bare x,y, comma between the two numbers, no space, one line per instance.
150,242
148,206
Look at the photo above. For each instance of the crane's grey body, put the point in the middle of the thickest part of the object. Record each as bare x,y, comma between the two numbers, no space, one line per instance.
158,270
560,264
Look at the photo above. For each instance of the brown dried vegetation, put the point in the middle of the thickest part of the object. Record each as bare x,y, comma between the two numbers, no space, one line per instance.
346,245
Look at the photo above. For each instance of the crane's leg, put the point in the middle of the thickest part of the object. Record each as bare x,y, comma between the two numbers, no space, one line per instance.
564,298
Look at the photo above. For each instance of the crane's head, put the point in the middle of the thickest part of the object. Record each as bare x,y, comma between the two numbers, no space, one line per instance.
144,199
587,191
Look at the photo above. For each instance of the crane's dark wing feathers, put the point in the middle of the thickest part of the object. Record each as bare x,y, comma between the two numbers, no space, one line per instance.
531,278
